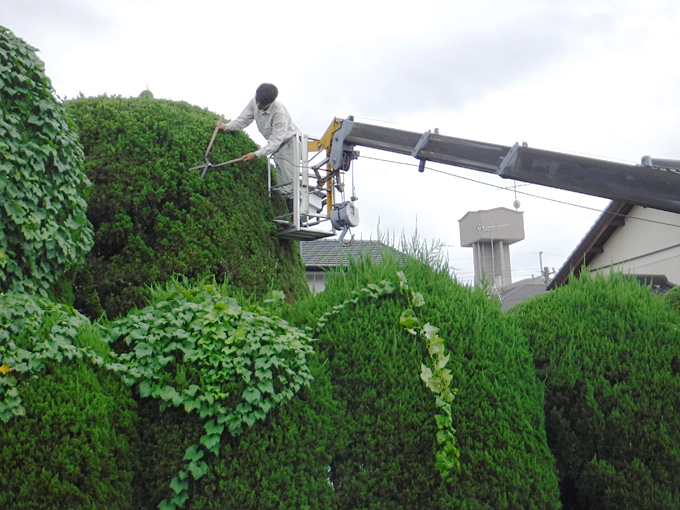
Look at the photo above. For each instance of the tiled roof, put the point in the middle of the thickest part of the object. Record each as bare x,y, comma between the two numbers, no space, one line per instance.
522,290
324,254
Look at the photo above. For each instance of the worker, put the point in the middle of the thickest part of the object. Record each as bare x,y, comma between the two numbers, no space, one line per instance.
275,124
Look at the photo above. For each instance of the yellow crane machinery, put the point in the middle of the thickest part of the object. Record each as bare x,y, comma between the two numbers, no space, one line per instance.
652,183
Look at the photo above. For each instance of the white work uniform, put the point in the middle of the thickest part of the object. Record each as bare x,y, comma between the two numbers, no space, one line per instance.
277,127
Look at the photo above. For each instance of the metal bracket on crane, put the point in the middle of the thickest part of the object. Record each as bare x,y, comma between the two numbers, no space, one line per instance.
342,154
509,159
424,140
666,164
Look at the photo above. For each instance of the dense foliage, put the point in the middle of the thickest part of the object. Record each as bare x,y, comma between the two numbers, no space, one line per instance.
672,297
384,455
68,431
608,352
153,218
396,388
204,369
198,349
43,227
281,462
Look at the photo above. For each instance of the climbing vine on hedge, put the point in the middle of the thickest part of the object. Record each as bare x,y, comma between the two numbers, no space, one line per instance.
44,229
22,316
198,349
437,378
194,348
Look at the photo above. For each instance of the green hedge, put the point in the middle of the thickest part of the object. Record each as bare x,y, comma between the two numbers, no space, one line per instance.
43,227
672,297
384,455
70,440
154,218
279,463
608,352
234,390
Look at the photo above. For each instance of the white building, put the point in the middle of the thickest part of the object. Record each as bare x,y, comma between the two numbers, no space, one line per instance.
323,255
633,240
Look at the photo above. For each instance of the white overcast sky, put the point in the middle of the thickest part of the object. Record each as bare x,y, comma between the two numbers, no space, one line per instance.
593,77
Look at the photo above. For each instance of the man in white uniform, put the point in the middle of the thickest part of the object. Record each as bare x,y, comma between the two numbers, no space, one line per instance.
276,125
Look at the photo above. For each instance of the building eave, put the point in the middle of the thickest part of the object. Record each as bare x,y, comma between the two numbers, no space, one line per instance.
593,243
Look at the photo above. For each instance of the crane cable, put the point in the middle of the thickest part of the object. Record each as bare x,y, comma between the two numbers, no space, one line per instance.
532,195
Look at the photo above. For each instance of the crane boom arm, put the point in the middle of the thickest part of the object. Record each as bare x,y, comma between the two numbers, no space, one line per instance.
647,185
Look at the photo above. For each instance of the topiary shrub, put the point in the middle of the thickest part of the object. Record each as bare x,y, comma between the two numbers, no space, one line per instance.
43,227
153,218
69,428
388,438
283,461
672,297
225,377
608,352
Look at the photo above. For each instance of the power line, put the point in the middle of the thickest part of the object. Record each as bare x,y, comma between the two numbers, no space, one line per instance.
502,188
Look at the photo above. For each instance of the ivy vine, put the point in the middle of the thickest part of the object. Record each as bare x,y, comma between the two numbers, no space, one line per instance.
195,348
436,376
44,229
199,349
23,316
372,290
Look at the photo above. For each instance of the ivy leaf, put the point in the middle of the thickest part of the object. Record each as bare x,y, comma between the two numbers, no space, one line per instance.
166,505
143,349
262,362
193,453
179,499
169,393
179,486
417,299
425,374
408,320
198,469
266,386
191,390
440,402
436,345
190,405
249,419
445,375
212,428
429,330
266,405
145,388
251,394
443,421
211,442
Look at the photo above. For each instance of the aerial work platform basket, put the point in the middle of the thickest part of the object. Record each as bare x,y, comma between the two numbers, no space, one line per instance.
315,212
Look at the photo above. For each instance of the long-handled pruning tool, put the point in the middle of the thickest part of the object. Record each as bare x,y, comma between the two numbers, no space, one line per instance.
208,164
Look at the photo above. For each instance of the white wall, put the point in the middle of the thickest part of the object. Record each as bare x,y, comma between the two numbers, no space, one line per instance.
649,243
316,281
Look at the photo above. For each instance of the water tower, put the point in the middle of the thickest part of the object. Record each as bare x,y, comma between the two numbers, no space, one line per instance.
490,233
